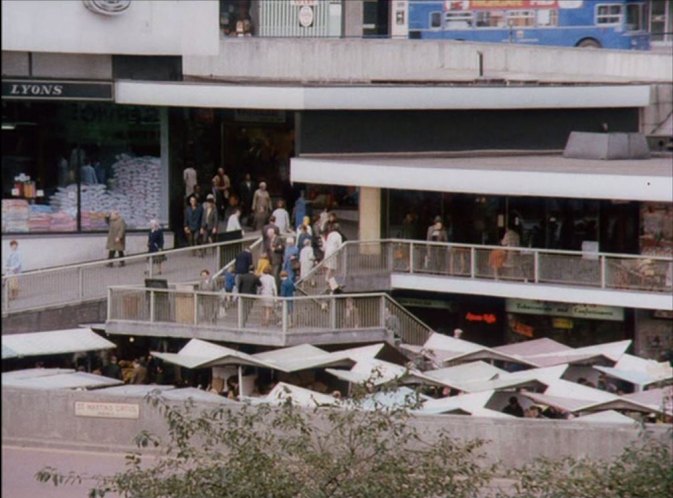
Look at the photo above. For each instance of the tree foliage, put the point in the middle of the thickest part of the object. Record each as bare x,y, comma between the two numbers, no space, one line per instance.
286,451
642,471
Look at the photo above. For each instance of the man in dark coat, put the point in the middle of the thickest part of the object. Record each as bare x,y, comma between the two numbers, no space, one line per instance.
248,283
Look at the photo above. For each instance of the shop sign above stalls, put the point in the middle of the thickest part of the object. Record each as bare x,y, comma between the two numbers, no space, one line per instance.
589,311
488,318
56,90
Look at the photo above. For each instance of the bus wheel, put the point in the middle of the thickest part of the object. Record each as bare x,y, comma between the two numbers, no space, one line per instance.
589,43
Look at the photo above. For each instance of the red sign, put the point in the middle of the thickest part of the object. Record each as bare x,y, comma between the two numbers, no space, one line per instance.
499,4
488,318
522,329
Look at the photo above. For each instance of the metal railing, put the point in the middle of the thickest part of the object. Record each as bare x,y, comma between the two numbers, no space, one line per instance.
73,284
357,266
296,316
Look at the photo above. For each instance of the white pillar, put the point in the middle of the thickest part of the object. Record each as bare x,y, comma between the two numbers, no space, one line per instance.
370,217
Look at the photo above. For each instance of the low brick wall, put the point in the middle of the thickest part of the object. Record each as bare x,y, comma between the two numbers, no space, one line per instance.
65,317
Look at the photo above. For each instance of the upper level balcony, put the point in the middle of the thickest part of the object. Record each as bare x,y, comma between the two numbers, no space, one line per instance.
633,281
364,314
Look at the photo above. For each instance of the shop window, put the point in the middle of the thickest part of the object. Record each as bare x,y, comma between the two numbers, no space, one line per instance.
571,222
236,18
66,166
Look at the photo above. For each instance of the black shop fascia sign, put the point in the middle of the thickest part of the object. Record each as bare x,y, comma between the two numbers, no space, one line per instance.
56,90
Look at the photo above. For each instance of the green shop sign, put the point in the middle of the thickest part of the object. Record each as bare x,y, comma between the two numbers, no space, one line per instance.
589,311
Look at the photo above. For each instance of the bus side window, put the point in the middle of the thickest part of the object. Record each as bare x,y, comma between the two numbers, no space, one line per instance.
458,20
490,19
547,17
608,14
435,20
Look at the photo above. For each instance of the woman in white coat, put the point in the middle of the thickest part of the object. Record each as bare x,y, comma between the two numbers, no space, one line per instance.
269,292
332,243
306,260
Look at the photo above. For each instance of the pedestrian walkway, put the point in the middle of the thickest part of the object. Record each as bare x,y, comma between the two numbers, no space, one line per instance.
73,284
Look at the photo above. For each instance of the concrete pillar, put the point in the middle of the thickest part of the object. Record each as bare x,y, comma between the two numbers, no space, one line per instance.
370,217
352,18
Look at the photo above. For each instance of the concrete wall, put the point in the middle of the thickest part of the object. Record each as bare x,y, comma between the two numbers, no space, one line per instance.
46,418
654,116
44,65
358,60
65,317
165,27
44,250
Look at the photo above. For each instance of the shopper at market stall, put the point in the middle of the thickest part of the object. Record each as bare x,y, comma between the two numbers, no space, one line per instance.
116,237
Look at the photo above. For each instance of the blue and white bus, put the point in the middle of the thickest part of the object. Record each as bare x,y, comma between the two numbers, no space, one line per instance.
617,24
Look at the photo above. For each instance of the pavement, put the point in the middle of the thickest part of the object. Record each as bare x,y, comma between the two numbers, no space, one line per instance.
19,465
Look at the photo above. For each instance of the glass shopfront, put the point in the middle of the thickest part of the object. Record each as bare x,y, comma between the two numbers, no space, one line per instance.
656,228
549,223
65,166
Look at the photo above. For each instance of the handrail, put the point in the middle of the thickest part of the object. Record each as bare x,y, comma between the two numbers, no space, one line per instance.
292,315
256,244
74,284
562,252
526,264
132,257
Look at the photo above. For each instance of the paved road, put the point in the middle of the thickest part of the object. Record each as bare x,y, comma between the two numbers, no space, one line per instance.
20,464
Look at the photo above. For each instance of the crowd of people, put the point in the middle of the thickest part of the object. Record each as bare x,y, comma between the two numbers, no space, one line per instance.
288,253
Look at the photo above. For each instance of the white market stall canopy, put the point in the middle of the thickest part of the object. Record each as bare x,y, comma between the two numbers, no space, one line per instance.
639,371
56,378
202,354
53,342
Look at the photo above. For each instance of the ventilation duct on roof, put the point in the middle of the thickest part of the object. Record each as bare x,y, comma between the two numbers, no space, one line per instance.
584,145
